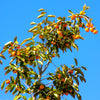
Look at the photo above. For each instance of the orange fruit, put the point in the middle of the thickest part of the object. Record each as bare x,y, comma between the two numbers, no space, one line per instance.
7,81
59,75
73,17
18,47
88,24
95,31
64,25
66,93
77,36
87,29
10,50
63,80
35,49
41,87
67,44
91,25
59,23
70,71
15,71
80,25
70,90
37,57
18,53
40,36
53,55
13,53
91,29
59,33
47,97
74,36
31,58
56,26
53,42
81,16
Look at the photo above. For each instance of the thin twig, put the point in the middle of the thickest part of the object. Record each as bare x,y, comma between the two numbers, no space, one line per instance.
54,64
46,66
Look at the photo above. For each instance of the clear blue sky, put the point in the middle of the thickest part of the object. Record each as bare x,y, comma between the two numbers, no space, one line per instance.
15,18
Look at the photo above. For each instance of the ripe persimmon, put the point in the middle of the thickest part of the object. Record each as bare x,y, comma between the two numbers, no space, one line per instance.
80,25
70,90
35,49
91,25
73,17
77,36
37,57
59,33
91,29
67,44
7,81
56,26
53,42
87,29
66,93
15,71
59,76
40,36
18,53
47,97
70,71
62,79
41,87
13,53
95,31
10,50
53,55
88,24
64,25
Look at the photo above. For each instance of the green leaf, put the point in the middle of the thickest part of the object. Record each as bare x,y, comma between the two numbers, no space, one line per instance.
75,46
9,70
76,61
15,39
17,97
1,55
76,79
32,23
82,79
8,43
28,39
40,62
12,78
78,96
70,12
12,88
85,7
14,91
24,97
41,9
2,85
51,16
40,16
31,98
84,68
12,60
0,62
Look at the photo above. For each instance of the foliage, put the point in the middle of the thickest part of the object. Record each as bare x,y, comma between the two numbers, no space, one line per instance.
30,59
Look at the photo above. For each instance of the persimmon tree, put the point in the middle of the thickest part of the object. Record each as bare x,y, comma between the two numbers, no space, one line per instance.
31,58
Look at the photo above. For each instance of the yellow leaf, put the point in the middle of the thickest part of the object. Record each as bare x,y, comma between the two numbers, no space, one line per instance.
51,16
